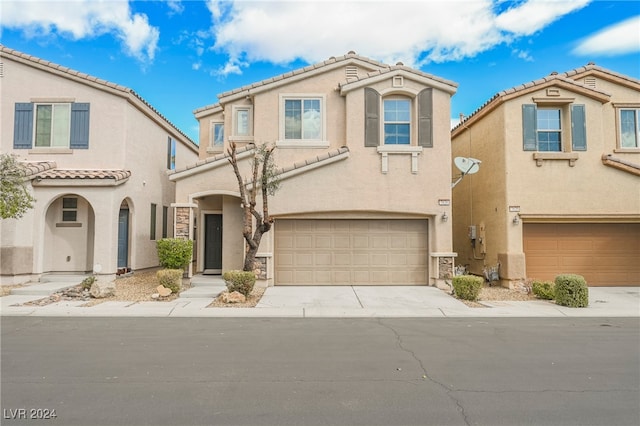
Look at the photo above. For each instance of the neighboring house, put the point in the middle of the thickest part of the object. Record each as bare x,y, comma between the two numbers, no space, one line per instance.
365,158
97,157
558,190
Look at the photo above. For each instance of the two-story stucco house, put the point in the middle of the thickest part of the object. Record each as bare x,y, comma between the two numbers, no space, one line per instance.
365,159
97,157
558,190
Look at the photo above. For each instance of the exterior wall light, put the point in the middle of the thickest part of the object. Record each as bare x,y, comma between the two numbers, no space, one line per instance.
445,217
516,219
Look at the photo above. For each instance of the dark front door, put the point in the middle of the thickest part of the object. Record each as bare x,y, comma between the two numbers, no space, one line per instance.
123,238
213,243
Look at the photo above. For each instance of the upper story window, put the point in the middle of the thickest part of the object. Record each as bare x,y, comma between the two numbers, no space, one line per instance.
630,128
397,121
55,125
171,153
216,138
302,122
559,128
302,119
549,129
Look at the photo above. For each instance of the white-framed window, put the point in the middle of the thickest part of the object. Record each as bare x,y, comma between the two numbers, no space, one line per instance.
302,121
549,129
216,142
52,125
242,123
629,128
397,121
552,128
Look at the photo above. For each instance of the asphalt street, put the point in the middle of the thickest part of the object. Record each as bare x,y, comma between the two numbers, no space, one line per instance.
243,371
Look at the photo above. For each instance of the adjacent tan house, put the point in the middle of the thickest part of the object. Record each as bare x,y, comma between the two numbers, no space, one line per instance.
365,160
558,190
97,157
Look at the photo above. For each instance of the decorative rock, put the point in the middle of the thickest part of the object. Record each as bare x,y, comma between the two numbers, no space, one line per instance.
163,291
101,289
155,296
234,297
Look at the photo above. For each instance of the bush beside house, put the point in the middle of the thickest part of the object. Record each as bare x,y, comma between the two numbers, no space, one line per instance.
572,291
174,254
467,287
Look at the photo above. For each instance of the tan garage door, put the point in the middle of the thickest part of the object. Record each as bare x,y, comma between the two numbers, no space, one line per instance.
351,252
605,254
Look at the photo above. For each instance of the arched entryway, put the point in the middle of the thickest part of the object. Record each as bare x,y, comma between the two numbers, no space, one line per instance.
69,235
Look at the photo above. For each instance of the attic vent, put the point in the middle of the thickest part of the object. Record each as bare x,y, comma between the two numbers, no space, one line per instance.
590,82
351,72
1,69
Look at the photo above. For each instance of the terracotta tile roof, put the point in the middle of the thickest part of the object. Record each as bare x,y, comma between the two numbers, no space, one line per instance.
117,175
32,168
399,66
89,79
553,77
223,156
314,160
591,67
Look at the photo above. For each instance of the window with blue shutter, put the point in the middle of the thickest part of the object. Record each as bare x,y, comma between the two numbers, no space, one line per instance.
23,126
372,118
529,127
79,133
57,125
578,128
425,119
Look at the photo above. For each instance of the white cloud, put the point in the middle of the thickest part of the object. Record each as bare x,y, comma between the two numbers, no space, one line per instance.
618,39
78,19
414,32
176,6
532,16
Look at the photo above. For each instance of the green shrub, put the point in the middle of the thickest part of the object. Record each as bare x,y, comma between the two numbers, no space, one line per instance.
467,287
543,290
171,278
240,281
88,282
174,253
572,291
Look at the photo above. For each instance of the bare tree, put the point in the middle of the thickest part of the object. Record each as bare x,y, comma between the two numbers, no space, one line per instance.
264,178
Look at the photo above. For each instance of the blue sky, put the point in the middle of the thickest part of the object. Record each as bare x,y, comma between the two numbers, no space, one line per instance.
179,55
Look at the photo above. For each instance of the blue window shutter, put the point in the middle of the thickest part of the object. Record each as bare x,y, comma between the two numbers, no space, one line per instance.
425,118
371,117
578,128
79,126
529,127
23,126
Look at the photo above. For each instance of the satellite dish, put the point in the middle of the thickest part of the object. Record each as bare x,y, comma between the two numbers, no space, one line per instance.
467,166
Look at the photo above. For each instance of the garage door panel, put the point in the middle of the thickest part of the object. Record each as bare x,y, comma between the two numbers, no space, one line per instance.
605,254
349,252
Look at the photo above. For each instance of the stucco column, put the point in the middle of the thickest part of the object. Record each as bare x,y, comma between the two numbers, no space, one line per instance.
105,244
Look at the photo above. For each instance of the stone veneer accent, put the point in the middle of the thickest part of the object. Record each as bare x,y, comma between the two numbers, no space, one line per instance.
445,268
182,222
260,268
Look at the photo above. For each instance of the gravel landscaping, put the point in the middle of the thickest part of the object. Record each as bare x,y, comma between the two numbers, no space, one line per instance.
140,286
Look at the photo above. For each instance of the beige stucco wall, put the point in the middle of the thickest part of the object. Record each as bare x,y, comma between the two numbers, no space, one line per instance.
354,187
588,191
124,134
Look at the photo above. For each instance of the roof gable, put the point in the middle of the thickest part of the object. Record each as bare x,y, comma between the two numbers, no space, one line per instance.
592,69
552,80
100,84
400,70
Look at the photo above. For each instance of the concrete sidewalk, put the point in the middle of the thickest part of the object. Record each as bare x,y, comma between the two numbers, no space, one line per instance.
341,302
